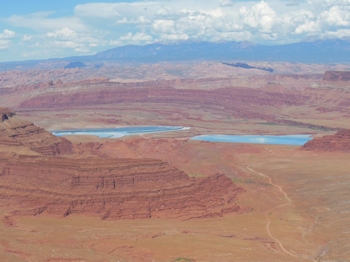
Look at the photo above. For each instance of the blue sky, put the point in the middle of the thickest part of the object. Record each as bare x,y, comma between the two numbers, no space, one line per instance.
38,29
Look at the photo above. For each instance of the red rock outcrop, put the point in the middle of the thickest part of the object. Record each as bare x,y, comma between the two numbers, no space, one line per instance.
113,188
337,142
336,76
5,114
18,132
225,97
239,102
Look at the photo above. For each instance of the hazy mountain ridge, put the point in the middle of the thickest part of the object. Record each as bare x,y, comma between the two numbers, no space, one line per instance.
318,51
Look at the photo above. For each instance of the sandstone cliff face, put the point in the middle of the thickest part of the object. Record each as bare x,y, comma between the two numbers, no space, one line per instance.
336,76
18,132
108,95
5,114
239,102
338,142
118,188
112,189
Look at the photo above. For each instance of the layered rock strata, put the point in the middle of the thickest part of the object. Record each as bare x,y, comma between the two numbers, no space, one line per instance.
112,189
17,132
119,188
336,76
238,102
337,142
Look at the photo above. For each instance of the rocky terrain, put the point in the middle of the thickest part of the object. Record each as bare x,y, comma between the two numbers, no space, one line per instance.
238,102
48,76
15,132
114,188
337,76
83,198
337,142
158,94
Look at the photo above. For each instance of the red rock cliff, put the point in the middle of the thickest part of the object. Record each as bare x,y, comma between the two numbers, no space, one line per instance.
17,132
337,142
113,189
336,76
119,188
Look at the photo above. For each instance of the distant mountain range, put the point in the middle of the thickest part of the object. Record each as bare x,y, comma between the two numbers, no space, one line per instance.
317,51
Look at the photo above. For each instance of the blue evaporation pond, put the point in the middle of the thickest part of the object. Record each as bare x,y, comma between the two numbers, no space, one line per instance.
295,140
119,132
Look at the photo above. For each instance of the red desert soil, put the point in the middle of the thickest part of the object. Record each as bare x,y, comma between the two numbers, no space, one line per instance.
55,191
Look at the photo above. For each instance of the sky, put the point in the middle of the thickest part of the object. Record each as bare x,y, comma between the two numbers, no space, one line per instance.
40,29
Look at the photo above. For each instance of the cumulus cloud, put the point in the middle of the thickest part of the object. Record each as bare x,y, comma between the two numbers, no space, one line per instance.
5,38
97,26
7,34
228,20
68,38
63,34
340,33
335,16
261,16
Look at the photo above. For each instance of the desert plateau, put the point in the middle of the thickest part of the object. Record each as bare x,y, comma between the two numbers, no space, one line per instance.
175,131
164,196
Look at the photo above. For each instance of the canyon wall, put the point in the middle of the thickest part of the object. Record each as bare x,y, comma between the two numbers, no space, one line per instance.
58,181
337,142
336,76
113,189
17,132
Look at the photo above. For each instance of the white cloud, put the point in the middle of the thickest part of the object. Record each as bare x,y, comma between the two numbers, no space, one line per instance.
164,26
135,39
101,10
7,34
138,37
98,26
68,38
260,16
42,22
225,3
4,44
117,10
335,16
139,20
228,20
26,38
63,34
308,28
329,3
5,38
340,33
173,37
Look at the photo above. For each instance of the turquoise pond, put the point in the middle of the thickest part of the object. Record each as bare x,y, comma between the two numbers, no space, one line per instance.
119,132
295,140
